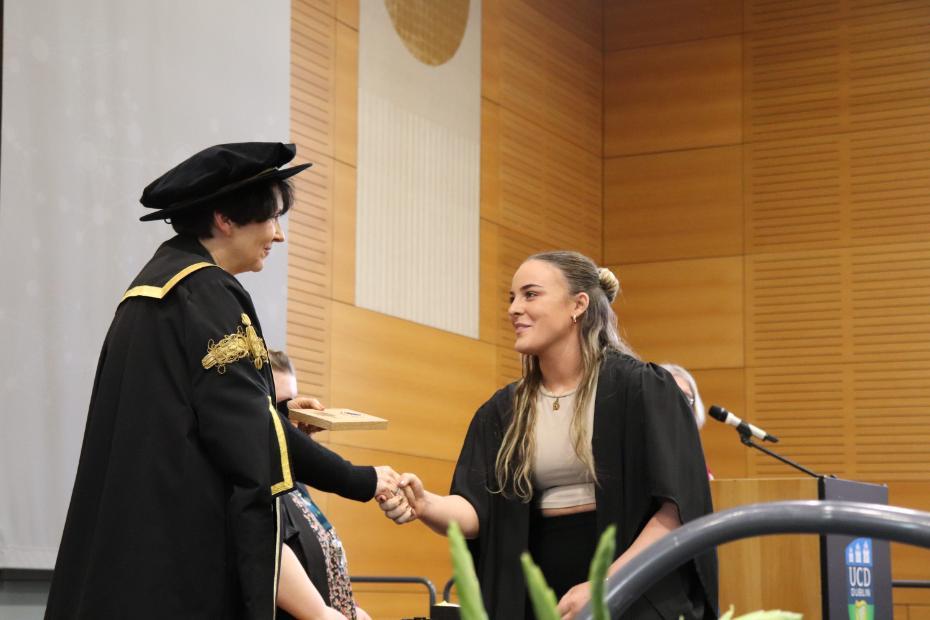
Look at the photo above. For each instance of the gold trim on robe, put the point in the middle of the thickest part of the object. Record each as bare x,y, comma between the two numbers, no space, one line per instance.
287,483
158,292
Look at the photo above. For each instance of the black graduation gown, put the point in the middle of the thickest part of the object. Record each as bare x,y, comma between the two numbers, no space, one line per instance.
174,511
646,450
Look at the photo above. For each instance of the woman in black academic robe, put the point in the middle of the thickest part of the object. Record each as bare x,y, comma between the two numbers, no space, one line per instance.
644,447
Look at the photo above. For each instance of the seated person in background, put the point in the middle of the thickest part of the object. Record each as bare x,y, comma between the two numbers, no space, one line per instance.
309,538
690,390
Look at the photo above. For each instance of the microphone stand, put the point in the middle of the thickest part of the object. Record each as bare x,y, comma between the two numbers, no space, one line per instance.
745,436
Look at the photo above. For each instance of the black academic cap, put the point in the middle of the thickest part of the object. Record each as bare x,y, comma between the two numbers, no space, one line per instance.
216,171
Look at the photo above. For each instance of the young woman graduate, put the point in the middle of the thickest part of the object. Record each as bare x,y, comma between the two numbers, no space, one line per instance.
589,436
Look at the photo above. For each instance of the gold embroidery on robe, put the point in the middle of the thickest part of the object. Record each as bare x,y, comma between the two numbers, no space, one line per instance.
234,347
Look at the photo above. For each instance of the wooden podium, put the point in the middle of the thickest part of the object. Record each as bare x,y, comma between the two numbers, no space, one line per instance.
769,572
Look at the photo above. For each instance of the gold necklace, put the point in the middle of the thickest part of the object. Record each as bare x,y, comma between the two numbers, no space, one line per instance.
556,405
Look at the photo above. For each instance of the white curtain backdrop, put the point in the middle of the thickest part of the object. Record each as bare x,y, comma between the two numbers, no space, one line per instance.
99,98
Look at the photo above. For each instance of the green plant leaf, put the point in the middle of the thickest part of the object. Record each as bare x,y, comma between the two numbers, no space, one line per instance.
603,556
545,607
466,582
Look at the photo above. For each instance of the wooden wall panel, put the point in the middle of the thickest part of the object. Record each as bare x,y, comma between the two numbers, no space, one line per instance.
310,220
689,312
838,190
313,74
549,75
888,175
794,194
550,188
343,270
491,169
345,117
726,457
835,125
673,97
641,23
665,206
833,67
427,382
794,308
786,14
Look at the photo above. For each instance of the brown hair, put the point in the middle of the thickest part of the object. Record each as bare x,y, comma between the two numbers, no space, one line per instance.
280,361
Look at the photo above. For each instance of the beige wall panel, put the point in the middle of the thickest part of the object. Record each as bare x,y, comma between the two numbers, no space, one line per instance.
769,572
640,23
550,76
345,132
550,188
685,204
688,311
725,455
673,97
427,382
313,74
343,270
375,545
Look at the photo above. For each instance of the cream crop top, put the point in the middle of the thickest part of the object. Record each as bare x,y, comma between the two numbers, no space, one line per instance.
560,479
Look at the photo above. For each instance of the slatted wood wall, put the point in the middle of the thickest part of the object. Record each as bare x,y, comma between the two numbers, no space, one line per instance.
767,201
541,188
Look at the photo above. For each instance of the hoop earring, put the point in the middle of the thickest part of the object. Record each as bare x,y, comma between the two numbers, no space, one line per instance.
573,319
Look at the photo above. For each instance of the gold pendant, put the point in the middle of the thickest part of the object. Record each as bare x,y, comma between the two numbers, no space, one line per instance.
555,405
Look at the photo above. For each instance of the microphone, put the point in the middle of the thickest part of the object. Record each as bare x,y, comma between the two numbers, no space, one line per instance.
722,415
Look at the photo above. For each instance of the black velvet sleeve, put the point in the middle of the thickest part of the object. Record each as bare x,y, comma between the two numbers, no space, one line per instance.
675,467
323,469
470,479
674,461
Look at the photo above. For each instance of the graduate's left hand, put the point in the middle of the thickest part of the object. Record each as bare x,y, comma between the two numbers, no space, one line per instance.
306,402
574,600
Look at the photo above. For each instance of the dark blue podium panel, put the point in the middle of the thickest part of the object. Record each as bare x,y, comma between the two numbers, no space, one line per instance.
855,571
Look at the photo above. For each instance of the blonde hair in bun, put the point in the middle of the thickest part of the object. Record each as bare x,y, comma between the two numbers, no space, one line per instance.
598,335
609,283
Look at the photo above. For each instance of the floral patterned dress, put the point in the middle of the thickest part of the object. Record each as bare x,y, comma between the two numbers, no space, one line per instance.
334,557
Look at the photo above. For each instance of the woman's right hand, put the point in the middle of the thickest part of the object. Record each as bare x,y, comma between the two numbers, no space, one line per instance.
409,501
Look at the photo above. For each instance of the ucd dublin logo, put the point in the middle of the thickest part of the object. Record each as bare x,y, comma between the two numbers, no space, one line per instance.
859,576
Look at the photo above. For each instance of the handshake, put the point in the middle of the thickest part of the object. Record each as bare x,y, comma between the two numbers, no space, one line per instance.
401,496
